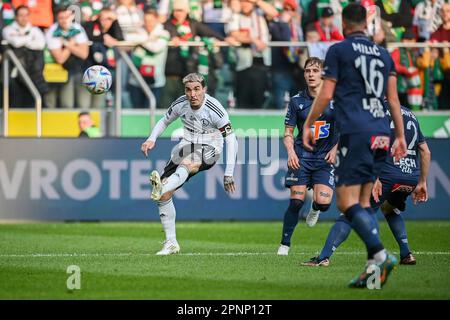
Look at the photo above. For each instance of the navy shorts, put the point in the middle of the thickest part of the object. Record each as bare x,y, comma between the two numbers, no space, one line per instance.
311,172
395,191
360,157
206,153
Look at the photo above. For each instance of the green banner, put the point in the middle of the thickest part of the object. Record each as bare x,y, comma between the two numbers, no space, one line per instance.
252,124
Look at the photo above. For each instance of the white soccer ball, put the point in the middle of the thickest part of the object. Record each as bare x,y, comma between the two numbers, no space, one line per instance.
97,79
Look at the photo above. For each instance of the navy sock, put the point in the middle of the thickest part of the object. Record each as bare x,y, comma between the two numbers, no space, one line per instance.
338,234
290,220
366,228
373,214
398,228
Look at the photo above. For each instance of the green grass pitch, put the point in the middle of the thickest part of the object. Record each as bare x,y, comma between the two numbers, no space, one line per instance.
220,260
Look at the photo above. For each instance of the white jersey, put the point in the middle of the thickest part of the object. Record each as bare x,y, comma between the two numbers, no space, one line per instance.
201,126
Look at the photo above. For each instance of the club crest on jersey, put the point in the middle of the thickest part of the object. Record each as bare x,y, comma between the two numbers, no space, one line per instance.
205,122
321,129
380,142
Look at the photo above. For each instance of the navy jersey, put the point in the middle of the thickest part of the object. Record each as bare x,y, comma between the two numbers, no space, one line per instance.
324,128
361,70
407,167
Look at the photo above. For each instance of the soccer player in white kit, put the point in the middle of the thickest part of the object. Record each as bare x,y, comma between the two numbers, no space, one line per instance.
206,125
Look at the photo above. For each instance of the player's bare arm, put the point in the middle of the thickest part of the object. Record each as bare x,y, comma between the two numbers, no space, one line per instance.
288,140
320,103
232,148
420,193
399,146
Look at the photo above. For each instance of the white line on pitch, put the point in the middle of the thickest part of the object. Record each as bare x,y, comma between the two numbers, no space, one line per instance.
125,254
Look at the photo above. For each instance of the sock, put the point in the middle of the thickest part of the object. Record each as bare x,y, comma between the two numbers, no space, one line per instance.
373,214
398,228
167,215
290,221
338,234
366,228
314,207
176,179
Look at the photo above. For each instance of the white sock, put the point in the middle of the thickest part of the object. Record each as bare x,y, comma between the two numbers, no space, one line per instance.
176,179
380,256
167,215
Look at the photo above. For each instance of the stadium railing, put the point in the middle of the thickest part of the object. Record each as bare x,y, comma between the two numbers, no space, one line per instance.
114,126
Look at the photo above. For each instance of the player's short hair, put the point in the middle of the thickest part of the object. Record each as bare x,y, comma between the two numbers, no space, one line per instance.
194,77
313,61
354,14
60,8
83,113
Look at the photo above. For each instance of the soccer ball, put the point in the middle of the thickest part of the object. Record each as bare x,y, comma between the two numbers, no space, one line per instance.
97,79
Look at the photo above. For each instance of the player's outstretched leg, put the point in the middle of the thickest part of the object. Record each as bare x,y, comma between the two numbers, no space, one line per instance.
338,234
167,215
398,228
289,223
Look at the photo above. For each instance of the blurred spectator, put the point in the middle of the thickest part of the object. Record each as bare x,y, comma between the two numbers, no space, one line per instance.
195,9
104,32
427,18
286,70
182,60
250,28
396,18
326,28
316,48
316,8
68,45
28,43
430,66
41,11
90,9
216,14
409,84
130,18
87,127
150,59
443,35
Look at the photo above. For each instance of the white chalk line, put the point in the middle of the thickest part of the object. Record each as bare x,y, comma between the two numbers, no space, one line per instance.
129,254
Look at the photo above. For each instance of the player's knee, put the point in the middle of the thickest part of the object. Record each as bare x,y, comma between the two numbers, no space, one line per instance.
322,207
295,205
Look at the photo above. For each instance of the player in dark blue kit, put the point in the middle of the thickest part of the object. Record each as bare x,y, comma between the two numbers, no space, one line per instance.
358,74
396,181
308,168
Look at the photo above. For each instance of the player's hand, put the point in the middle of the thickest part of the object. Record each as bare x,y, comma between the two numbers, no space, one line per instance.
331,155
377,190
398,150
308,138
420,193
228,184
293,162
147,146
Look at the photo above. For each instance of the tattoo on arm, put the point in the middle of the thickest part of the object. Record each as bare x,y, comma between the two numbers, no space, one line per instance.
324,194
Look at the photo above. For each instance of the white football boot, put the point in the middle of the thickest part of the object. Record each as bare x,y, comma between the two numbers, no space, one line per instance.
283,250
169,247
312,217
155,180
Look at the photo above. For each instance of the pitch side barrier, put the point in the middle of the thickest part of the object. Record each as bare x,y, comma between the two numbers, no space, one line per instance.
107,179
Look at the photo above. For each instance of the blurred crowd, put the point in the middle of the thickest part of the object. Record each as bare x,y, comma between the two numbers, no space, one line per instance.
57,40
